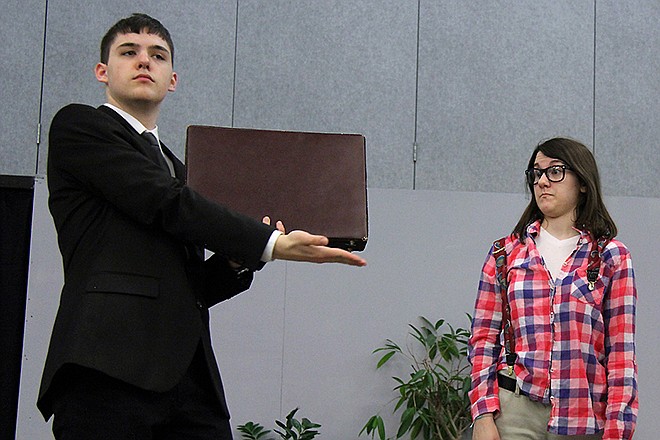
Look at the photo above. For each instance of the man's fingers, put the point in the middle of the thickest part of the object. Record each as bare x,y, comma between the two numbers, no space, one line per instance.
302,246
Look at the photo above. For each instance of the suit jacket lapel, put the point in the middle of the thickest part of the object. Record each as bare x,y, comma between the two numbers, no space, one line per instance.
179,168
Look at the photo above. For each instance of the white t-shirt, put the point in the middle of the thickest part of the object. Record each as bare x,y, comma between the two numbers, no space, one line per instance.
555,251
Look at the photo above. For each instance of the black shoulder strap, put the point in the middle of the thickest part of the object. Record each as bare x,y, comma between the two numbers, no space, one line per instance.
593,264
499,252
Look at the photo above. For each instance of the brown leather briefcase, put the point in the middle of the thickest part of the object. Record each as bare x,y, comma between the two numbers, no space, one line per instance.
311,181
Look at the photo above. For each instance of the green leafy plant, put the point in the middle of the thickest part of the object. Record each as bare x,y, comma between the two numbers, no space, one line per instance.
290,429
297,430
433,400
253,431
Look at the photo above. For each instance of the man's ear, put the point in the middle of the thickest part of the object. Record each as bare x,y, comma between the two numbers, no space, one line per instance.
101,72
173,81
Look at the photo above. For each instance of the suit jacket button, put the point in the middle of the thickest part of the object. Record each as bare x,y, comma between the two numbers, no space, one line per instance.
200,305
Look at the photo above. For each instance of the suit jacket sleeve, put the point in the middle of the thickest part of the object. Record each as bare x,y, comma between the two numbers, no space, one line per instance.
221,282
91,151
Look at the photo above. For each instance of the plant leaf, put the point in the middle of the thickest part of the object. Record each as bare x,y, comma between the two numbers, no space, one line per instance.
381,428
426,322
385,358
433,402
406,421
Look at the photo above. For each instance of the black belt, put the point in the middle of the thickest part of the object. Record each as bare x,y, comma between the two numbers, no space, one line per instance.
508,383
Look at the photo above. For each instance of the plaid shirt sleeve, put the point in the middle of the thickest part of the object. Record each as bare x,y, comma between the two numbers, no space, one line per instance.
619,309
484,344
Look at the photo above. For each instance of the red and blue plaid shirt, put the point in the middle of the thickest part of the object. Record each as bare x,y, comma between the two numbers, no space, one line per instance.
575,346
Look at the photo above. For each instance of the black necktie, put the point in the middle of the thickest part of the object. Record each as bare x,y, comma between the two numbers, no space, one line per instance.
155,152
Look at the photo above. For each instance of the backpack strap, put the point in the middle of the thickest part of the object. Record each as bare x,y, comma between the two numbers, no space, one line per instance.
593,264
499,252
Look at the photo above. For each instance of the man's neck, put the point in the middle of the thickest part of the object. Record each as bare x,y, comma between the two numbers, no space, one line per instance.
147,114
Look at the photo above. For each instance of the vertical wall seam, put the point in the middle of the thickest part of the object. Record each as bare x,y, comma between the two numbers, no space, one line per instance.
286,266
41,91
233,91
416,104
593,104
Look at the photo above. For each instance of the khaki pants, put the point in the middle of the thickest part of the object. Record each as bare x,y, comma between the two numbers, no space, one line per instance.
523,419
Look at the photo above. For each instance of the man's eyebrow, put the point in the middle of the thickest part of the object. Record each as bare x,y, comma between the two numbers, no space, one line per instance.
159,47
134,45
128,44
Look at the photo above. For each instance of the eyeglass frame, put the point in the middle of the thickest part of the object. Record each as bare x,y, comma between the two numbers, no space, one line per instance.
539,172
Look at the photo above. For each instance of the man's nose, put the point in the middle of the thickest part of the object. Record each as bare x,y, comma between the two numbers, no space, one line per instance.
143,60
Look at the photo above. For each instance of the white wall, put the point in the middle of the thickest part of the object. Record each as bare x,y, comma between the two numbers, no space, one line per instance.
303,334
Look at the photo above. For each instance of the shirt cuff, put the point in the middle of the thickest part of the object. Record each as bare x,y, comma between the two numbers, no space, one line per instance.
270,246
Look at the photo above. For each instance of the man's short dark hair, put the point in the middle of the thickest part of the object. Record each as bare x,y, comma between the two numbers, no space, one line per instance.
135,24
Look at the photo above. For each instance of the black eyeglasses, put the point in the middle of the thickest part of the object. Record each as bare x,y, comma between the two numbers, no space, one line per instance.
555,173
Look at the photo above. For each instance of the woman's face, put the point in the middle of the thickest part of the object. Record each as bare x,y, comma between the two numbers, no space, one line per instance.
557,191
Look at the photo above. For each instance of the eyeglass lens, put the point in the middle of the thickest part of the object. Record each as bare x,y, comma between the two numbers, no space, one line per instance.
554,173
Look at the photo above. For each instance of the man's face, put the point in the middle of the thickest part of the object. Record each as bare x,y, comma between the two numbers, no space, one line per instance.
139,71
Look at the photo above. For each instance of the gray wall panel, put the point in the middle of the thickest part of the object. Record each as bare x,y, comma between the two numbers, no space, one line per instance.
21,34
44,285
203,60
204,37
72,51
495,78
340,66
628,97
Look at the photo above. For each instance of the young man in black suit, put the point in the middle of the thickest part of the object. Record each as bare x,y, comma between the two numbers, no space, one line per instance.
130,354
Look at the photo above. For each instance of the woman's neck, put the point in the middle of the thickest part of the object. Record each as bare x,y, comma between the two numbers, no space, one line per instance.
560,228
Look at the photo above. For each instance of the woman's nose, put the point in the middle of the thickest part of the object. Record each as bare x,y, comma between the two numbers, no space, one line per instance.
543,180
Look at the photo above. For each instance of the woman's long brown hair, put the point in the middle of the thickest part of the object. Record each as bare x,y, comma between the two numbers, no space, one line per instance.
591,213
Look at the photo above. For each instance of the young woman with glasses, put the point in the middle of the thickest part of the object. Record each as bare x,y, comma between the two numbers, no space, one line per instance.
571,295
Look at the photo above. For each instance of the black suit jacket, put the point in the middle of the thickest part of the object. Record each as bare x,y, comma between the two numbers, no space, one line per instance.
136,289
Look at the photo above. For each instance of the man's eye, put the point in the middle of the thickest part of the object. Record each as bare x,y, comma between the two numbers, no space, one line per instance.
129,52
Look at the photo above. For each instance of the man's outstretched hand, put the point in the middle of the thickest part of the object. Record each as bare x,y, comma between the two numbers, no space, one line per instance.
303,246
